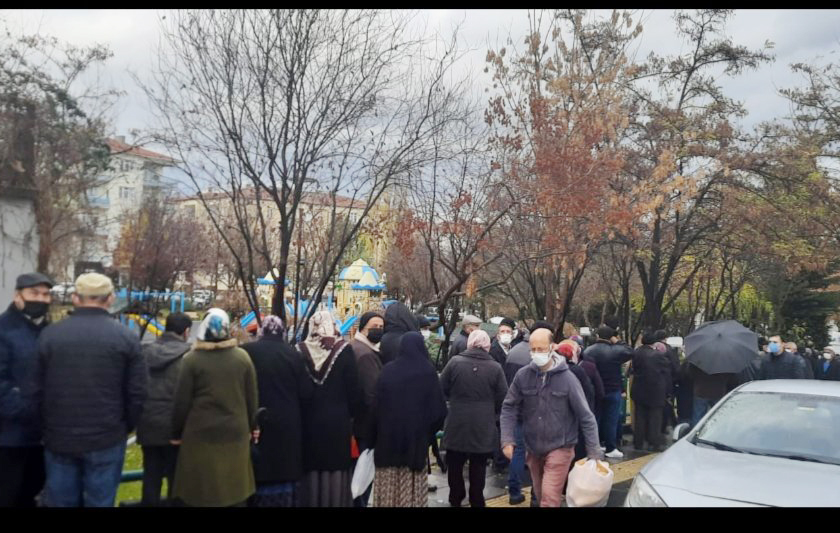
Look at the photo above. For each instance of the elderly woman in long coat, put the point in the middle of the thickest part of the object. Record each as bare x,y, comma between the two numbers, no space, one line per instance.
214,418
328,419
475,385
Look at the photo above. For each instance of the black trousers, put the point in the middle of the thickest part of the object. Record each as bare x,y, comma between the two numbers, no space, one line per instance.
158,463
22,475
455,462
647,426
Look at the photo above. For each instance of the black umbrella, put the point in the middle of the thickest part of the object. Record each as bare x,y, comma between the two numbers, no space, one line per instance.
721,347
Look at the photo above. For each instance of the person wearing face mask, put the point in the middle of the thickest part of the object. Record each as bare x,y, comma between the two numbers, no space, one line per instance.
781,364
828,368
549,400
517,358
426,330
21,453
365,346
499,351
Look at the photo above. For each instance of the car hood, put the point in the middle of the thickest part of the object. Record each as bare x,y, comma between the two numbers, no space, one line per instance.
739,479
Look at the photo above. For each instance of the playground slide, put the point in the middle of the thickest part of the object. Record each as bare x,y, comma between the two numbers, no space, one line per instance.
154,326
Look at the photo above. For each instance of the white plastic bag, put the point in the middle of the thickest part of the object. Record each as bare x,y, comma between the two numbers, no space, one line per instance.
589,484
363,473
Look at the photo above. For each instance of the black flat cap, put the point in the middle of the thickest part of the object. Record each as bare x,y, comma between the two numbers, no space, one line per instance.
32,279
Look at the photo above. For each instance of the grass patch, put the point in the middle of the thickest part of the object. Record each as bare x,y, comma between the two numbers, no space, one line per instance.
133,461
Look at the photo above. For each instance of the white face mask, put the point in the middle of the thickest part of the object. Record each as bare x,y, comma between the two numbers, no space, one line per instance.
541,358
827,356
505,338
426,333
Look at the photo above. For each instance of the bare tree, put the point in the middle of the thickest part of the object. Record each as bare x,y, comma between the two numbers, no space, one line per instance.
289,102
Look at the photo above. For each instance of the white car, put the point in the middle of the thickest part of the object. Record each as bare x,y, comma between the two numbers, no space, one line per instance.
767,443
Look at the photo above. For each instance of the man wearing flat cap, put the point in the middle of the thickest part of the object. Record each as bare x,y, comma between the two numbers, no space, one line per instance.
21,453
468,325
90,386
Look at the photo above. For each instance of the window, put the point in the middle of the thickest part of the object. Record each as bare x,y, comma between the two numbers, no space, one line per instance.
126,193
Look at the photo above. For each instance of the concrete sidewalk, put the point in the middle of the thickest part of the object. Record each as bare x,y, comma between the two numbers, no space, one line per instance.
495,489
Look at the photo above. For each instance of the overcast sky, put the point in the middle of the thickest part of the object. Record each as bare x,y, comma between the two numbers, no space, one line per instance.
799,36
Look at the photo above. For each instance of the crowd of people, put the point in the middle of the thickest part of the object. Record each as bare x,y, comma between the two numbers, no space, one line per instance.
269,423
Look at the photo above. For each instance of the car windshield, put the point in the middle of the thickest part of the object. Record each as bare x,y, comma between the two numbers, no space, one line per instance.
799,426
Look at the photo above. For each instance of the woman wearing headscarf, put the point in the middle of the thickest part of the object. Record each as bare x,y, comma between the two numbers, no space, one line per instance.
214,419
409,408
475,386
399,320
284,388
328,420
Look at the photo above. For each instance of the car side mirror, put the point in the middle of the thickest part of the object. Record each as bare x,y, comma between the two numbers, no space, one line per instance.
681,431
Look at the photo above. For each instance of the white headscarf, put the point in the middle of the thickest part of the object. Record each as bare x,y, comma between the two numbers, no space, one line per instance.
215,326
321,327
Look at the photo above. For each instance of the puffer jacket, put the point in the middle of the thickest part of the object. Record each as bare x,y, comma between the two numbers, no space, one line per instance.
90,382
552,408
163,359
785,365
19,425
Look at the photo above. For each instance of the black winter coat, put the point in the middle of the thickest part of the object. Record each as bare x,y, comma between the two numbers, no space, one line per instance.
585,383
782,366
328,419
609,358
498,353
597,384
369,367
163,360
90,382
409,408
398,321
476,387
19,424
653,376
284,388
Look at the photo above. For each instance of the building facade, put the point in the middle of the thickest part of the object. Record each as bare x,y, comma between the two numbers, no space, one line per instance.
134,173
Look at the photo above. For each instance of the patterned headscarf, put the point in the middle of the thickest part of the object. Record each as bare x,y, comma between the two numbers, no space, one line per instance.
479,339
215,327
321,338
271,325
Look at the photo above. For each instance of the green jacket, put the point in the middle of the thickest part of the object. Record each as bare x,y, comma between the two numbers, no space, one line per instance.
214,414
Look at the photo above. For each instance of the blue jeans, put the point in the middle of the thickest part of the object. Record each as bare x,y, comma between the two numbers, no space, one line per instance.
89,479
608,427
701,407
517,463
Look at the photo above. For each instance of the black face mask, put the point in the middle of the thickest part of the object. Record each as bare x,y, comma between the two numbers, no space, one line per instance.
375,335
35,309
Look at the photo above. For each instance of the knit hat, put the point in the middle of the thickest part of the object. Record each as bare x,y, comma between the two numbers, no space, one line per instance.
508,322
606,332
93,284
